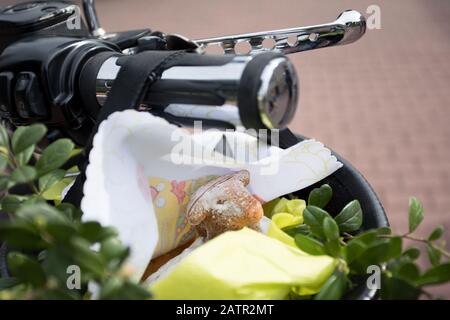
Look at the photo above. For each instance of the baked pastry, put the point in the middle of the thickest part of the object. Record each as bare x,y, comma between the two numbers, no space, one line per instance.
224,204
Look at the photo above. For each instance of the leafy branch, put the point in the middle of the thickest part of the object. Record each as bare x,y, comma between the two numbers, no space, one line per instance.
401,276
47,238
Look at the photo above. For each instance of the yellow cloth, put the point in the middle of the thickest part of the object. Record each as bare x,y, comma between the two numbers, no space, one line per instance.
56,191
170,199
244,264
284,214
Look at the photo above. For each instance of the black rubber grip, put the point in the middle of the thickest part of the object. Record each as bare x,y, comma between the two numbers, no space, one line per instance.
87,82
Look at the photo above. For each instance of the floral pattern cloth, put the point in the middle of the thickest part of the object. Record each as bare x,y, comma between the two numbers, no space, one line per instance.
170,200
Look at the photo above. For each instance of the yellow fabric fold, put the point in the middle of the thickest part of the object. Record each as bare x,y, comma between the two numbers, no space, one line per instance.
244,264
286,213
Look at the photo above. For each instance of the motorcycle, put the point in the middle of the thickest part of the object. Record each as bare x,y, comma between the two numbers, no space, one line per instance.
70,74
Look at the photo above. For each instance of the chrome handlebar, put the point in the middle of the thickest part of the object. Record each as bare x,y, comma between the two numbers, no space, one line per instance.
195,85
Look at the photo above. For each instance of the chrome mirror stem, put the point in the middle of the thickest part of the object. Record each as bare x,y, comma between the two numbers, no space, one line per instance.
90,14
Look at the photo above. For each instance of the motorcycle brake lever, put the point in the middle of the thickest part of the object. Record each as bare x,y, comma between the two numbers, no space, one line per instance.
349,26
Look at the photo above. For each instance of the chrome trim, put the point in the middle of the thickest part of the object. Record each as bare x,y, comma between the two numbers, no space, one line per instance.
349,26
228,74
278,93
195,92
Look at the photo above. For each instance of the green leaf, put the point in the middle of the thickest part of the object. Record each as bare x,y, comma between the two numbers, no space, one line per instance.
25,137
330,229
24,174
62,294
47,219
94,232
360,243
33,199
89,230
26,269
354,249
436,234
395,248
297,229
358,248
3,161
19,234
24,157
309,245
415,214
334,249
58,259
367,237
412,253
50,179
4,183
320,197
436,275
70,211
41,213
384,231
408,271
393,288
4,137
334,288
115,288
111,288
86,258
133,291
350,218
313,217
11,203
114,251
54,156
378,252
7,283
434,255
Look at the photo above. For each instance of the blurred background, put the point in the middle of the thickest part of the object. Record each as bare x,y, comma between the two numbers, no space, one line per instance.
383,103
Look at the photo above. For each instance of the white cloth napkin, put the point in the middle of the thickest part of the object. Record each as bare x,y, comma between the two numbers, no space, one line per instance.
132,146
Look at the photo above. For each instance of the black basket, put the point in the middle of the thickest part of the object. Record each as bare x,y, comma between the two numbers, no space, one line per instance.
348,184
